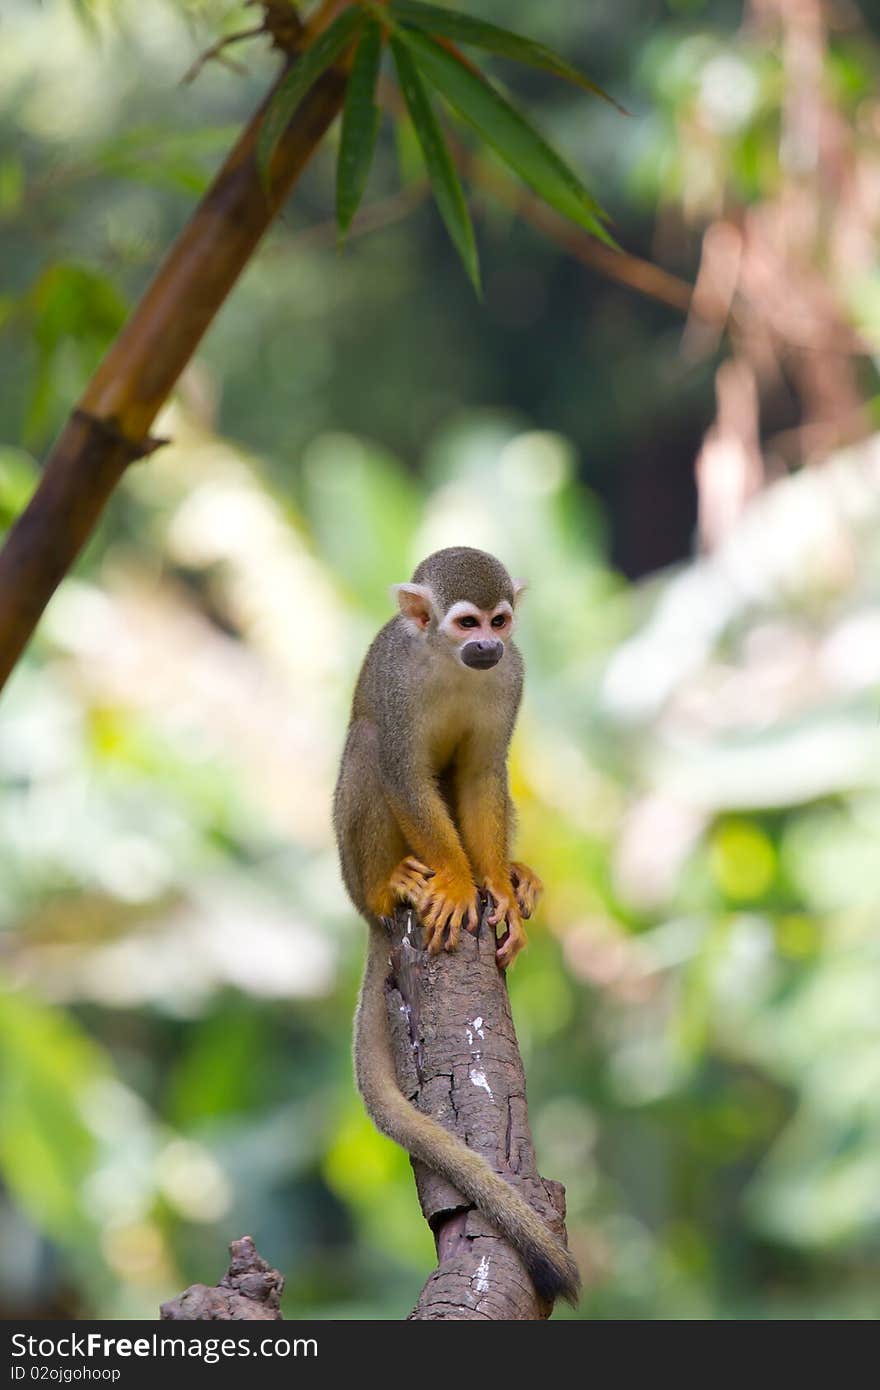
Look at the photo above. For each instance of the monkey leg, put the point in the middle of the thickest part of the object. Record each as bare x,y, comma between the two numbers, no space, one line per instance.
373,850
527,888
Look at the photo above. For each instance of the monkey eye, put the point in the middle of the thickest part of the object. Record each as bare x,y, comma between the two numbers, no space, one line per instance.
468,621
500,620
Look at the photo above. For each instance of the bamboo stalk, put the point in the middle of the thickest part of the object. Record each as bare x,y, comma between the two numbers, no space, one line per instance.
109,427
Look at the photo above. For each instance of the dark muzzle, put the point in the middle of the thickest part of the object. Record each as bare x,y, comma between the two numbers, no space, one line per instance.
482,655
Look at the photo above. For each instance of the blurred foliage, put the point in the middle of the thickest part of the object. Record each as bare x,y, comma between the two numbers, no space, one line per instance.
697,767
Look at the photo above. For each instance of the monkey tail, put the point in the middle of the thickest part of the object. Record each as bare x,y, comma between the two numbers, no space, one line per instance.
552,1269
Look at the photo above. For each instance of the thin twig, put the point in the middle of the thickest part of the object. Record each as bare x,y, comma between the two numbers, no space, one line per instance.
632,271
216,51
372,218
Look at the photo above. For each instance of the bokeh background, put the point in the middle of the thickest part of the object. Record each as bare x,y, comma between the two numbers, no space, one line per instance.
692,486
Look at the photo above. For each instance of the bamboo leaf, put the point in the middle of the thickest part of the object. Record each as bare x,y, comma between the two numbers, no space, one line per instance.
322,54
526,151
438,161
360,125
464,28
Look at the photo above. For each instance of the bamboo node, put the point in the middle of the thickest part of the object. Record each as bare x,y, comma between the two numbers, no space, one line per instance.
109,430
282,23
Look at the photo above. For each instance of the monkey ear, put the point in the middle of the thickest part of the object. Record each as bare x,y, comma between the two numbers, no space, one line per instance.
416,604
519,588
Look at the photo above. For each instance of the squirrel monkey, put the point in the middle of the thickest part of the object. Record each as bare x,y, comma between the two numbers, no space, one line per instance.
423,815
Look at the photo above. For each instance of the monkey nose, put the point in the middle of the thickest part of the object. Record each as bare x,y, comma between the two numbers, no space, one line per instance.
482,654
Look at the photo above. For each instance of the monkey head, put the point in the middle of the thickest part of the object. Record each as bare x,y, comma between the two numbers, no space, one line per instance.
461,603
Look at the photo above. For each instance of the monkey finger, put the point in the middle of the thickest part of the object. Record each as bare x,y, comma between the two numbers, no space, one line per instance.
531,895
406,885
527,888
472,921
514,937
502,907
418,866
434,940
494,899
525,901
505,956
441,913
454,933
510,947
502,950
431,918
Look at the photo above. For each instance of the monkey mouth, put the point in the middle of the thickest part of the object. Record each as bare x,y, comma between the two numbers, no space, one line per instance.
482,656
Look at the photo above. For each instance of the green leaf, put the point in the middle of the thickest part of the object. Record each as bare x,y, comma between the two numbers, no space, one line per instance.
47,1067
438,161
410,164
323,53
360,124
464,28
508,132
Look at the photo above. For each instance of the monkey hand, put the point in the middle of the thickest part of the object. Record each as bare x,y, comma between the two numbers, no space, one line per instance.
527,888
506,910
408,882
449,900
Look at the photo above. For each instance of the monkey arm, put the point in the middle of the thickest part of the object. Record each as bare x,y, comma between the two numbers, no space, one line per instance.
483,806
423,816
485,820
485,823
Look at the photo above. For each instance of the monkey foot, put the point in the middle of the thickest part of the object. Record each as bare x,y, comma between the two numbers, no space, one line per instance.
527,888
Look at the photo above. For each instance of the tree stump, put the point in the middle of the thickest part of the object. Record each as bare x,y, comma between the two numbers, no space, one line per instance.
458,1061
249,1291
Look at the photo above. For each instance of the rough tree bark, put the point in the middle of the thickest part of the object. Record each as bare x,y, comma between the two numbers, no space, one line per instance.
458,1061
